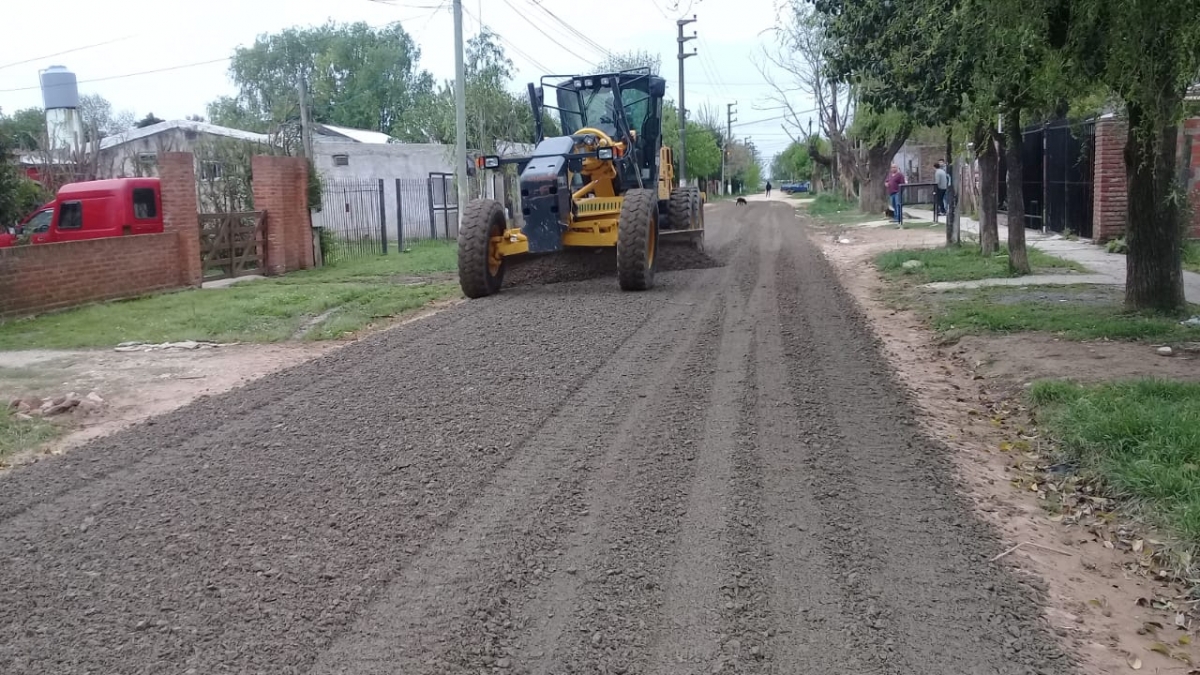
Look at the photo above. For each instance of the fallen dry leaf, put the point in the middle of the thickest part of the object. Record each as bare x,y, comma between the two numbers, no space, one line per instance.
1185,640
1138,544
1160,648
1135,663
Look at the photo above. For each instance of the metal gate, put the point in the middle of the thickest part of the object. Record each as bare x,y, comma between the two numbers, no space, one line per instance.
443,201
1058,180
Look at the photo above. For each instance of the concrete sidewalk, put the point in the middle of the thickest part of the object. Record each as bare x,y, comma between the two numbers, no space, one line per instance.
1104,267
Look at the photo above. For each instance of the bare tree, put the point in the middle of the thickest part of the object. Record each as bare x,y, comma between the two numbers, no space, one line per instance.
797,72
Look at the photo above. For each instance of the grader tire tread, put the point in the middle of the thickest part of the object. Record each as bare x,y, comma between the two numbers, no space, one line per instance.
476,280
635,230
679,209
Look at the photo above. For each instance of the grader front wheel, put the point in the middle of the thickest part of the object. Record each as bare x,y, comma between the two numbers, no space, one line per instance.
637,240
480,265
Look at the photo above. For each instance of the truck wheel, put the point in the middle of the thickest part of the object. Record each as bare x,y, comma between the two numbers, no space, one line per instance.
637,240
480,265
697,205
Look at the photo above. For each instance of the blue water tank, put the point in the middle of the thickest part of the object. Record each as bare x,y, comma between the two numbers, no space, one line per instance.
59,88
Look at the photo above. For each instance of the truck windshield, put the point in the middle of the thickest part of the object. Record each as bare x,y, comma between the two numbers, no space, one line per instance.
40,222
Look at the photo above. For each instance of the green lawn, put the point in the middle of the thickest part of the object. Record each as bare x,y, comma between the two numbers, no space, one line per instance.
317,304
1141,438
17,434
1191,256
831,210
964,263
1072,312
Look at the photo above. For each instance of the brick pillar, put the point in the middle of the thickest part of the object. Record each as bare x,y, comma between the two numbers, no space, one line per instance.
181,212
1191,144
281,189
1110,195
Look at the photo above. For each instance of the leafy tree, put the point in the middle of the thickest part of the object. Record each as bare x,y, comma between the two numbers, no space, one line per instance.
1147,52
148,120
24,129
794,163
493,112
703,153
18,195
357,76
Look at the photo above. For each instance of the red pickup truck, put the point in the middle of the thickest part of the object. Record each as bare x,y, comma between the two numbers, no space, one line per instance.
91,210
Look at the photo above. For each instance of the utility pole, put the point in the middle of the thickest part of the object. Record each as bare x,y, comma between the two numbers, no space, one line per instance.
460,110
305,123
680,23
729,120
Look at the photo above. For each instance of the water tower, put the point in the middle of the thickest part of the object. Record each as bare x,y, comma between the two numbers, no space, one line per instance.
60,95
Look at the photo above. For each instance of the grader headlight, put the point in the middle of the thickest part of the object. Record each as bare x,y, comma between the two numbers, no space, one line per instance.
604,153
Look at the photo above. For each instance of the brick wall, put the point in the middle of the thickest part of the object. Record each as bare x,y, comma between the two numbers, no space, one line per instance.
54,276
181,217
1109,196
281,189
44,277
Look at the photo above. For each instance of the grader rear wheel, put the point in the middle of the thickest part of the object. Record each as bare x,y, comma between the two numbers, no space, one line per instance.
637,240
480,265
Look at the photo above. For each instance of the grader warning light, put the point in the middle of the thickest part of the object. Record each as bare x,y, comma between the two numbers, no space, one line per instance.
607,182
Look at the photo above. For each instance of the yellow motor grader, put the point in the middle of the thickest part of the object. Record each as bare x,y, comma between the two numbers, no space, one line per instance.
608,181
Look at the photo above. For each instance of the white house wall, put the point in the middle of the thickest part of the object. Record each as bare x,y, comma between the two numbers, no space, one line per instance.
410,162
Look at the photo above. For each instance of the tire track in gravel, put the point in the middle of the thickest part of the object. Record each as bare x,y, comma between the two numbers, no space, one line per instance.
257,548
795,603
474,581
912,561
639,499
691,637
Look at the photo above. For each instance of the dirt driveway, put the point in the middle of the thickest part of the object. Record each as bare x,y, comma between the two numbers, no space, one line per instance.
715,476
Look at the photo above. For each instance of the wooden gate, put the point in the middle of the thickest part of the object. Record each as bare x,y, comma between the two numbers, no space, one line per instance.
232,244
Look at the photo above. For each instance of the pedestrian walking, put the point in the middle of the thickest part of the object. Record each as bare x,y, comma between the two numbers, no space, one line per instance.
768,188
894,180
942,178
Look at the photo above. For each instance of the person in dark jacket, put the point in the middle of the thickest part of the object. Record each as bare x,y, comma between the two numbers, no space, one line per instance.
894,180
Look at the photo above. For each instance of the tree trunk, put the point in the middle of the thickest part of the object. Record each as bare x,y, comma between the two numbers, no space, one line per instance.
1018,257
1153,274
989,194
872,194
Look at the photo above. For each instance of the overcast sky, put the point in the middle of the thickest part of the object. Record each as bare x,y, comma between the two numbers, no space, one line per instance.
147,35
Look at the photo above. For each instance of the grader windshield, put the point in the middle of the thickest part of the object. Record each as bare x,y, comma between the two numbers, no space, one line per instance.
617,104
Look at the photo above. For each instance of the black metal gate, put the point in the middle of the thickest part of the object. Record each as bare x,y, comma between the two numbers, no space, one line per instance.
1058,180
443,201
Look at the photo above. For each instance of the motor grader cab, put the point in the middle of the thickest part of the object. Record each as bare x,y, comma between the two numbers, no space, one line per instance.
607,182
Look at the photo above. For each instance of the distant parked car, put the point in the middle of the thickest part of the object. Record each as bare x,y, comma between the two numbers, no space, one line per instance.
797,186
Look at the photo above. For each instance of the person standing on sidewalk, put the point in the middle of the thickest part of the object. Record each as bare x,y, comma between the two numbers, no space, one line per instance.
894,180
942,178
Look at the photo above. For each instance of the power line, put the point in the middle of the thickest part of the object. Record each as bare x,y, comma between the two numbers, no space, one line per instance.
539,29
532,61
68,51
121,77
583,37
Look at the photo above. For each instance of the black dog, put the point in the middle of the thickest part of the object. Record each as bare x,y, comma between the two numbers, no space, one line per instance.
741,201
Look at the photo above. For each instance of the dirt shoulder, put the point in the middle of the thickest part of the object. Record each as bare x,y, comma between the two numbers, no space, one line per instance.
1105,602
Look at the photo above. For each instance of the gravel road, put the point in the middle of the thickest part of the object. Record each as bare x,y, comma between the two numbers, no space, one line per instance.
717,476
